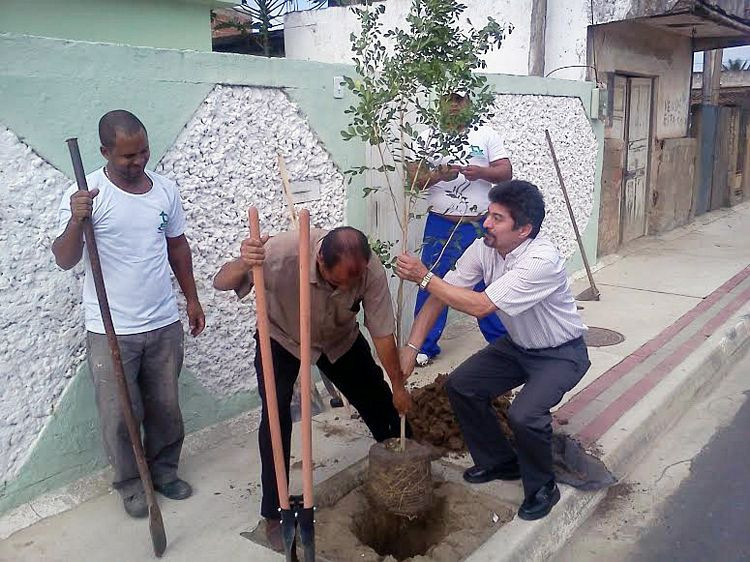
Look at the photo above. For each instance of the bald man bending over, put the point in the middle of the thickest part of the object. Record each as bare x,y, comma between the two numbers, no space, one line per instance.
344,277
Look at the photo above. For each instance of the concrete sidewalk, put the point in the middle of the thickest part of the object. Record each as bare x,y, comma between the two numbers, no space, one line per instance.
680,300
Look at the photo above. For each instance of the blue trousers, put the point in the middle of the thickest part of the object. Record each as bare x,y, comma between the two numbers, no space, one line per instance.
436,233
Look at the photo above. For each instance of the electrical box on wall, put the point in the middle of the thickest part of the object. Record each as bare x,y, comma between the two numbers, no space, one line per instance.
599,103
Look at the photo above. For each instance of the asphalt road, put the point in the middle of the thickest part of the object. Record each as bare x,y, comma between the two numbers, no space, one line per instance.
708,517
688,498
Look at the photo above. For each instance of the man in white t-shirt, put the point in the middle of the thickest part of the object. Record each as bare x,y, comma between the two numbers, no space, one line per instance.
457,202
139,226
544,350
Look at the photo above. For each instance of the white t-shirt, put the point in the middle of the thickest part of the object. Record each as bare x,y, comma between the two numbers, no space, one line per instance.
461,196
131,237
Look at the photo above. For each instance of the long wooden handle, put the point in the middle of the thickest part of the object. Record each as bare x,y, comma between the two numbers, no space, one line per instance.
269,380
287,189
156,524
570,212
305,356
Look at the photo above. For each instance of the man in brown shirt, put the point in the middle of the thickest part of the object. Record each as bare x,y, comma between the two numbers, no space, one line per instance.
344,277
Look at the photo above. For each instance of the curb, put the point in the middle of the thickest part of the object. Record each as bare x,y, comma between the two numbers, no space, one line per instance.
625,442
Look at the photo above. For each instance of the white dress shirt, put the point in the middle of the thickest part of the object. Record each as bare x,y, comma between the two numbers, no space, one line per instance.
530,289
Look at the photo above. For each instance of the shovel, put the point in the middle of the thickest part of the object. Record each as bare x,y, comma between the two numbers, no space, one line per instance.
591,293
306,514
155,522
295,510
272,405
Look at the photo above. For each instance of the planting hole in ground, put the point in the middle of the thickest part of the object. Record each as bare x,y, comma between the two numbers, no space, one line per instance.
457,523
397,536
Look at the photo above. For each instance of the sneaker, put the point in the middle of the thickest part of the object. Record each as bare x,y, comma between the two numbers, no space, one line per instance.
135,504
422,359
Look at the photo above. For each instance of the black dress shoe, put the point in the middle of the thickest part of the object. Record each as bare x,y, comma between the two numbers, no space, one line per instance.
480,475
175,490
540,504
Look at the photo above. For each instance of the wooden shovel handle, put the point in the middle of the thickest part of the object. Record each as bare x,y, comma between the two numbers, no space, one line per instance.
156,524
269,380
305,356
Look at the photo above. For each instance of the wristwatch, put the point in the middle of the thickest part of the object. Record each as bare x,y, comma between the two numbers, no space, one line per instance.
425,280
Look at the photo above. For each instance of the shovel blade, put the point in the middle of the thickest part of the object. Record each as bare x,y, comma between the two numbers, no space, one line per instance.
588,294
158,534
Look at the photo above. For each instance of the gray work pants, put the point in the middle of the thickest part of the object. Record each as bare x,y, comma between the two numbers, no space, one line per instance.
547,374
152,362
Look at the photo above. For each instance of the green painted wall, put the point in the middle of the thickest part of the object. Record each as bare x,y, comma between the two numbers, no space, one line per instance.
69,447
177,24
44,103
52,89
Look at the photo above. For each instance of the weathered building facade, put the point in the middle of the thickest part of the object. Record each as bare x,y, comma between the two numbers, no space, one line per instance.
640,53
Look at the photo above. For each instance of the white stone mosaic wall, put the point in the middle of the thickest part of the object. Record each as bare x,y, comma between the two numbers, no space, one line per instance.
40,318
224,161
522,120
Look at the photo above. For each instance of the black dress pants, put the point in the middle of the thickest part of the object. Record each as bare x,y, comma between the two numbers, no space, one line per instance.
357,377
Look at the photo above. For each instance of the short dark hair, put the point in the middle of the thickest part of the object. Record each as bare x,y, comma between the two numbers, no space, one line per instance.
118,120
344,242
524,201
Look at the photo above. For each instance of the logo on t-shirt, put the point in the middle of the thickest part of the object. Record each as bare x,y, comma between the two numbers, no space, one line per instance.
476,151
164,221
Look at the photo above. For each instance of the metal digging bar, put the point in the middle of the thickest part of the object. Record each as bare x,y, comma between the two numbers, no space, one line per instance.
591,293
155,521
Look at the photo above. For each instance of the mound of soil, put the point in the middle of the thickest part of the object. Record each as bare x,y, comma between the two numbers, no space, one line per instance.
433,422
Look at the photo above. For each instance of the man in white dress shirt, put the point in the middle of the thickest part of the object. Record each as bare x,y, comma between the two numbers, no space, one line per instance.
527,287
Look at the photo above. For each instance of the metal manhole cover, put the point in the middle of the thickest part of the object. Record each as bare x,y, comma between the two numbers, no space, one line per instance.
602,337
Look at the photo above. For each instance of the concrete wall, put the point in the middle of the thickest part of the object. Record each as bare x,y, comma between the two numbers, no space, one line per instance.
610,204
224,161
179,24
668,57
566,39
220,143
323,35
606,11
672,194
215,124
522,120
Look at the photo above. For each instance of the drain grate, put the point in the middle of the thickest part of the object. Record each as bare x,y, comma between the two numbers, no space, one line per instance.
602,337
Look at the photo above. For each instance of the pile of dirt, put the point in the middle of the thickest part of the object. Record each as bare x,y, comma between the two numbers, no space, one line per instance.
433,422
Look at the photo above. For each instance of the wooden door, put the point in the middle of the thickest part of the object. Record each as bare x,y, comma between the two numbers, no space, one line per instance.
637,151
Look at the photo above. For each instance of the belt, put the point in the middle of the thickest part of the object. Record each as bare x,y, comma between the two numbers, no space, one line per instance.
574,341
459,218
